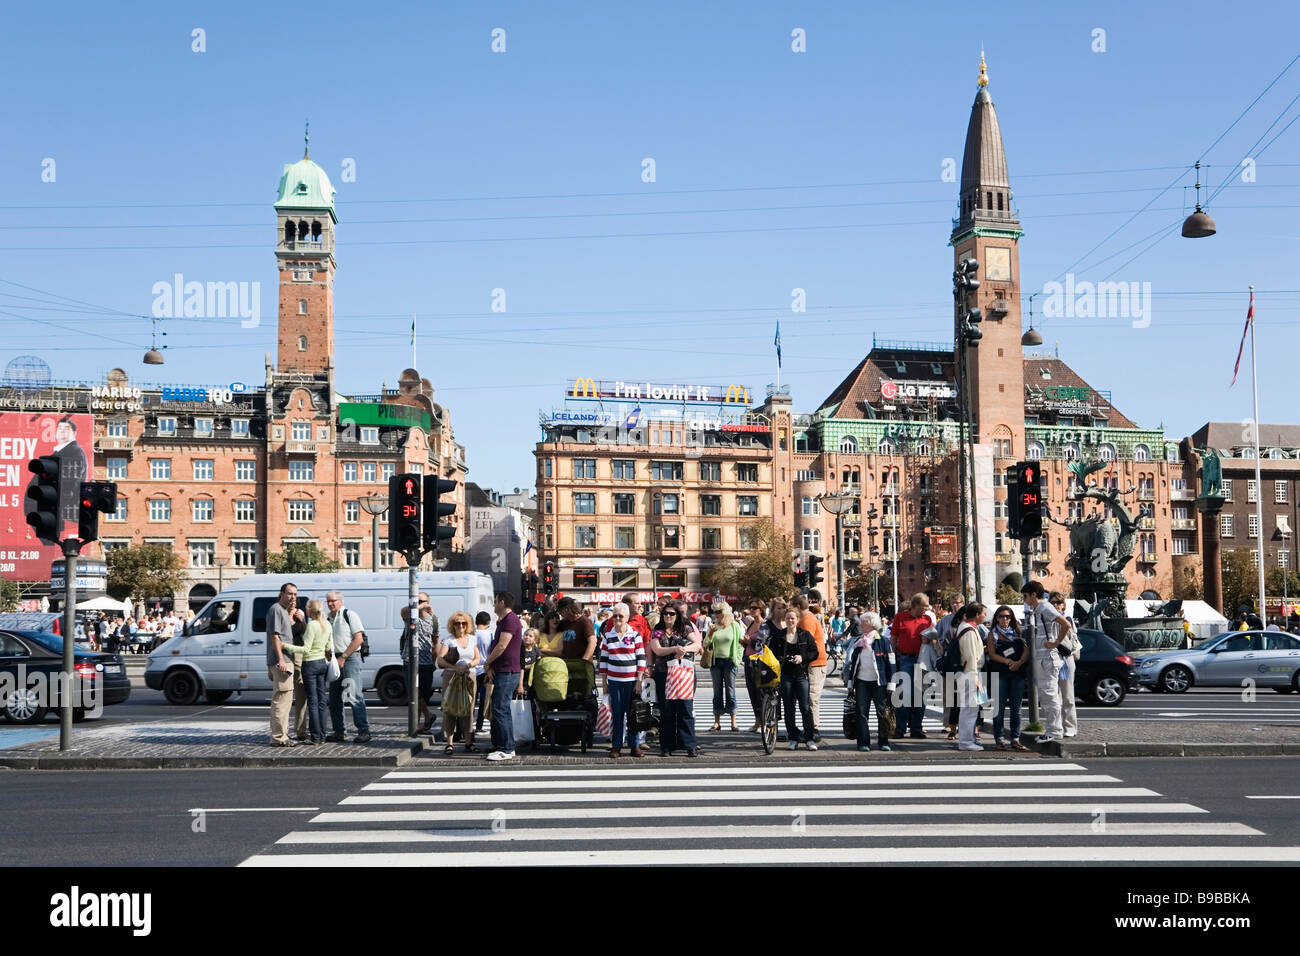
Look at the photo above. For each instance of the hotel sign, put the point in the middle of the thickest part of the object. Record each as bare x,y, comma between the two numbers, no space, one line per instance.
619,391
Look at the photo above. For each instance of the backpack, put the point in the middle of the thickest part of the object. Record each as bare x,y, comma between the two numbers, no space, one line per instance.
364,650
950,662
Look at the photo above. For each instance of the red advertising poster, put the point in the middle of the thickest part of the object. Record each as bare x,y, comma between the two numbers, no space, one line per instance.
24,436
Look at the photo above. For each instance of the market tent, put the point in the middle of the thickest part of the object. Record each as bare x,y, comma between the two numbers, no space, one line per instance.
104,603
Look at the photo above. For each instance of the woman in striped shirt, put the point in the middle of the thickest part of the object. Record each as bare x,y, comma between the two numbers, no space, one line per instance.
622,662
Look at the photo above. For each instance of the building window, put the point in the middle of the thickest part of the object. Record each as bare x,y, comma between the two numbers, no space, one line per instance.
1182,545
351,512
586,577
667,537
886,447
117,428
747,539
1252,526
116,467
203,428
388,469
300,431
239,428
666,504
1283,558
387,556
1225,526
202,553
160,509
710,471
302,512
1254,556
1033,450
711,505
160,468
1070,452
1252,490
584,468
202,509
549,537
369,471
1106,451
584,536
245,470
624,504
550,503
666,471
625,578
120,513
1141,453
624,470
1226,484
370,435
811,506
243,554
747,504
202,469
624,537
546,467
746,471
167,426
710,539
351,554
245,509
1279,492
584,503
302,470
812,539
849,445
349,471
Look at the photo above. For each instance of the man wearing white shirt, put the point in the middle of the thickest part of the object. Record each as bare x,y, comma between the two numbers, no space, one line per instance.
1047,629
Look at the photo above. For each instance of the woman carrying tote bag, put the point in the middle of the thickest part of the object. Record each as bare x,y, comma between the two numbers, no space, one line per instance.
726,643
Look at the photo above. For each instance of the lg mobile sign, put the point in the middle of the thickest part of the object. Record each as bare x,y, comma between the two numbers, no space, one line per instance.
24,436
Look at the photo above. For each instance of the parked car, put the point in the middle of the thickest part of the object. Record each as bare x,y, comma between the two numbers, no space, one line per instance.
41,653
1106,672
1269,658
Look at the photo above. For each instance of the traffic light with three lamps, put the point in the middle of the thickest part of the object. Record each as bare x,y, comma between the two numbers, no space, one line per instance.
96,497
435,510
43,512
815,562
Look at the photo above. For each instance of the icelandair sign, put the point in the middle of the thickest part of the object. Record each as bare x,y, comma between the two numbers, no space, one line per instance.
588,388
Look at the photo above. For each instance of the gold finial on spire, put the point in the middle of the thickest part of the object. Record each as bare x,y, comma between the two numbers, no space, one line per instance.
306,135
984,73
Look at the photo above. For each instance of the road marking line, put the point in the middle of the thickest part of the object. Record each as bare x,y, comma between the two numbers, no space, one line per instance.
795,796
862,768
535,785
253,809
775,830
842,810
799,855
1268,797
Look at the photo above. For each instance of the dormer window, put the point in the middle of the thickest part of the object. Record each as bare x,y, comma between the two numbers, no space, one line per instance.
901,367
302,189
1045,373
936,368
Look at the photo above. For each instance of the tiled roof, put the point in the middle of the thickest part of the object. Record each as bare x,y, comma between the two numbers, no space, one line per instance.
862,386
1062,375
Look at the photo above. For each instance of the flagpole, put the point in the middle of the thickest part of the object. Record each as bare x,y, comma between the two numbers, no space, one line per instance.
414,364
1259,484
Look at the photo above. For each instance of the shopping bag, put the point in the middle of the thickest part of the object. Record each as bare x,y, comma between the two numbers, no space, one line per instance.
680,683
521,717
458,696
851,717
334,670
889,722
604,719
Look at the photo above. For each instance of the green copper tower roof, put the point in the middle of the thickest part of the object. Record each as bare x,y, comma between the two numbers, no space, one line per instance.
304,185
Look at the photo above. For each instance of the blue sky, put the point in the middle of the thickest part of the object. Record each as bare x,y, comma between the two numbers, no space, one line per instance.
522,170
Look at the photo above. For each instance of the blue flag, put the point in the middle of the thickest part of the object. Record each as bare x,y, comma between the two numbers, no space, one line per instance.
777,343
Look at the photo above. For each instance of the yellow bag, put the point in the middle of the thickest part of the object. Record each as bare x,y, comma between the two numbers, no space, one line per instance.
767,669
458,696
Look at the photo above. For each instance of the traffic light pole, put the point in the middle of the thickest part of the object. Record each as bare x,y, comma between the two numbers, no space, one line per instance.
1026,572
412,652
71,548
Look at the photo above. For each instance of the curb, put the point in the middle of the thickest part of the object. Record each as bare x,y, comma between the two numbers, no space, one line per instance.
1071,750
53,761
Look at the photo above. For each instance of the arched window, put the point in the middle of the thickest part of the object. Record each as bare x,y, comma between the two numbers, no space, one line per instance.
923,448
302,343
302,306
1106,451
1275,453
849,445
886,447
1141,453
1070,452
1248,452
811,505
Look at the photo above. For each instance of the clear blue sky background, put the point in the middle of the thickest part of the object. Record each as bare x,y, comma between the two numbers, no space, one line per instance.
167,161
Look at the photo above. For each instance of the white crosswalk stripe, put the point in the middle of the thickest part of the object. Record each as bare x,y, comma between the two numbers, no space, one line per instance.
984,810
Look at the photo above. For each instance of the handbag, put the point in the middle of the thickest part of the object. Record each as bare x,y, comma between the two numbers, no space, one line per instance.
889,722
521,717
851,716
458,696
640,717
680,683
706,658
604,718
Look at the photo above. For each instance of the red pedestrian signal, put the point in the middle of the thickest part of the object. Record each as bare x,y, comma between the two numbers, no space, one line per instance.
404,511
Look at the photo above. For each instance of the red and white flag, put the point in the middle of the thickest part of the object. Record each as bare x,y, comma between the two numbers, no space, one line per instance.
1250,317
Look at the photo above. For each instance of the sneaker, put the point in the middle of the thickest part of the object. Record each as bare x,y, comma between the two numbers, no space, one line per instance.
919,735
501,755
336,738
812,745
494,755
865,749
1045,739
363,737
817,737
692,753
794,745
1075,734
886,747
969,747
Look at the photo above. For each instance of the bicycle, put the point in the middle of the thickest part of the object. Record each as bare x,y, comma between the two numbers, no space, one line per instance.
769,717
834,657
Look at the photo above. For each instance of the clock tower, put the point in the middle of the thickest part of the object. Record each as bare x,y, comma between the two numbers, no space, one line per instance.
304,252
987,229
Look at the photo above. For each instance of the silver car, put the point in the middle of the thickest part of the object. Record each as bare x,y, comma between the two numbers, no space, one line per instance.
1269,658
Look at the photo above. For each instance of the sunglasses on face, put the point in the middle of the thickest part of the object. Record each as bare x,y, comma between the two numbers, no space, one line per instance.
670,613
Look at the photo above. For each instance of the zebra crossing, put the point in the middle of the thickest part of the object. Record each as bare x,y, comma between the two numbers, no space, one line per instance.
852,812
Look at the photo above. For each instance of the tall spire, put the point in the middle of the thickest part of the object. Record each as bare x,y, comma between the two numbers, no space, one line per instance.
983,81
306,133
985,199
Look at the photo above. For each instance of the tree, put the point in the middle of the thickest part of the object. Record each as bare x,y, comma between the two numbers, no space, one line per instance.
141,571
766,573
302,557
9,595
721,578
1240,582
1274,581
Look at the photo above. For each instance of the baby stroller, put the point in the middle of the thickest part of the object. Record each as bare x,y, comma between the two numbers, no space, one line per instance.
564,702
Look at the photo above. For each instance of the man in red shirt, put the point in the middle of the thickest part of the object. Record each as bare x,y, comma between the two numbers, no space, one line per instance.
905,634
637,621
817,668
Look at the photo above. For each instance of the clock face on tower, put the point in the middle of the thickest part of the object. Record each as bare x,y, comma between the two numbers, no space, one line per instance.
997,264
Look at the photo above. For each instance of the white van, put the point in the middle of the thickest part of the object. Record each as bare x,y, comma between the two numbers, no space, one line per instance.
223,650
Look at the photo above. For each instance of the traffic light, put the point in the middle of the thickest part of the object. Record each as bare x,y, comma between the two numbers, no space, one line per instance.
96,497
43,512
435,510
963,284
815,562
796,565
404,513
548,578
1025,497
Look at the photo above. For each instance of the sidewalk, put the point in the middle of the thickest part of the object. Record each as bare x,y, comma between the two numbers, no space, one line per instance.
1201,738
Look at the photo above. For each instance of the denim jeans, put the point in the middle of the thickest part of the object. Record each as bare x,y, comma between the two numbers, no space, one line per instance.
724,687
315,678
755,692
503,728
348,685
866,693
1011,690
480,702
910,717
794,688
620,706
676,725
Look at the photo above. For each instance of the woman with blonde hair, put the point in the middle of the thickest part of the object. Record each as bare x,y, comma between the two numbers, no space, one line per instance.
458,655
315,670
725,642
